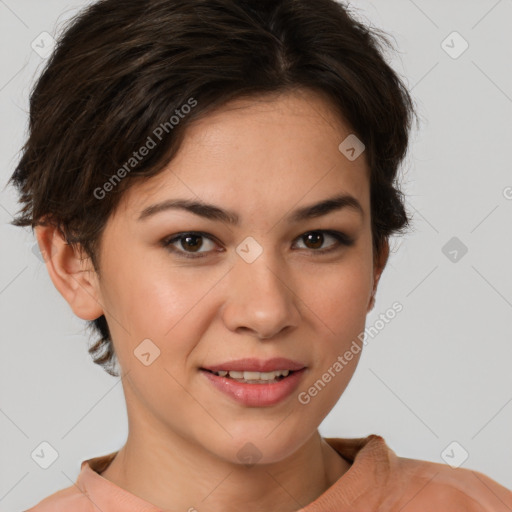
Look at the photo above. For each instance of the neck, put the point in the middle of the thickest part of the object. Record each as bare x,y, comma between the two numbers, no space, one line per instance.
173,474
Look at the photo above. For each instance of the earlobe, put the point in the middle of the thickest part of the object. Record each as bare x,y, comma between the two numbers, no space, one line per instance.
72,274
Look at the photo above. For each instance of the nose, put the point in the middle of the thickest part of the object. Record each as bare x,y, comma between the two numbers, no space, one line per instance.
260,298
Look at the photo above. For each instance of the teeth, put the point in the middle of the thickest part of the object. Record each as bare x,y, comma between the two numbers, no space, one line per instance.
254,376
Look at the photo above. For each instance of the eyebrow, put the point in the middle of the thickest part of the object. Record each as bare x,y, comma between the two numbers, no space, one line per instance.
214,213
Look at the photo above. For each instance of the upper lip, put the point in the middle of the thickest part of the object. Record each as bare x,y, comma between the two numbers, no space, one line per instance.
256,365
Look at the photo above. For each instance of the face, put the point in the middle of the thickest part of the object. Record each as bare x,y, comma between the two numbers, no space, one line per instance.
273,285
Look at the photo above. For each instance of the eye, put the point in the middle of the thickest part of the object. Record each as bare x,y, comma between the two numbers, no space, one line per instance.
317,238
191,242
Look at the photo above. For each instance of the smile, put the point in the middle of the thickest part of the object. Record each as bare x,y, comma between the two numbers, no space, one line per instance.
255,388
254,377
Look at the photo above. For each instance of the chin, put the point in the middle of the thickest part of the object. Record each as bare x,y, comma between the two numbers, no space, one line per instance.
259,446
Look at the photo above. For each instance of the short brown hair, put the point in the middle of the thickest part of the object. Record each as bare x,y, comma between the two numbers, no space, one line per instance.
122,69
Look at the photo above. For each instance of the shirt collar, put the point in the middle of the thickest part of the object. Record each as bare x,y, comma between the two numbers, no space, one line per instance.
370,458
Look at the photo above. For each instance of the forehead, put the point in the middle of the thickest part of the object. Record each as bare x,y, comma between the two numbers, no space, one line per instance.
278,147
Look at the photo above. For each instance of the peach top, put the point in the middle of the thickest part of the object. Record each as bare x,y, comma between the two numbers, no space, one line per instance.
378,480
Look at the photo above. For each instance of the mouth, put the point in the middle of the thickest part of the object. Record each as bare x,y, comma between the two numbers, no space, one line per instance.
254,382
248,377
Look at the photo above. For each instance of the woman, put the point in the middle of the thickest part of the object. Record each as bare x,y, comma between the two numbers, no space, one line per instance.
212,184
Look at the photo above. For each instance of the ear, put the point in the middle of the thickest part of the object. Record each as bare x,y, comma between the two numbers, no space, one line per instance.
380,261
72,274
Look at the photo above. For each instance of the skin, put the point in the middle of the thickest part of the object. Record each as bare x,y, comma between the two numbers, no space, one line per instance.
261,159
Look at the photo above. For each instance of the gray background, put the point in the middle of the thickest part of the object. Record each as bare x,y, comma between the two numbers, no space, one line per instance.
439,372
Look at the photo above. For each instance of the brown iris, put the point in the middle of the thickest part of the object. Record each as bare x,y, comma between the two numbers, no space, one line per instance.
194,246
317,238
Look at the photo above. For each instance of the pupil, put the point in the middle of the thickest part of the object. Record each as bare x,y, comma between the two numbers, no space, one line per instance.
193,246
319,237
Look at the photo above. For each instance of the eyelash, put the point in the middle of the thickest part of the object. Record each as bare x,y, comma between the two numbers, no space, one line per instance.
341,240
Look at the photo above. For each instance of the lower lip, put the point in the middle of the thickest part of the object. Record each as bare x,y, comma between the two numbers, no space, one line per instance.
256,395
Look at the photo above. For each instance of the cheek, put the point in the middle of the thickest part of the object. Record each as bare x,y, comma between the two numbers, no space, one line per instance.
169,306
146,296
338,303
339,296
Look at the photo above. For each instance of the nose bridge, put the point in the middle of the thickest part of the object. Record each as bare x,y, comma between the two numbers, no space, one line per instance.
263,264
